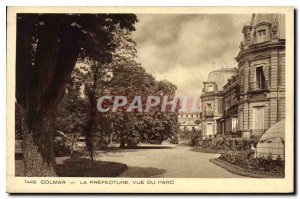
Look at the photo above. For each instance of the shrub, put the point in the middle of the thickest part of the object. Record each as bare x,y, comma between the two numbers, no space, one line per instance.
219,142
195,139
192,137
60,148
174,140
205,143
244,159
134,141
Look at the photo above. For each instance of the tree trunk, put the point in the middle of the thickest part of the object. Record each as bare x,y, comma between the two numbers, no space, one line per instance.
39,158
55,58
122,142
89,137
74,140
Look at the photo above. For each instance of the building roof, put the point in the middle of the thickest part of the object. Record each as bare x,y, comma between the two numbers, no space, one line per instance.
279,19
273,19
275,34
221,76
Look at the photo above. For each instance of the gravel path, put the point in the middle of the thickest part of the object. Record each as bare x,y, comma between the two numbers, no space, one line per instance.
167,161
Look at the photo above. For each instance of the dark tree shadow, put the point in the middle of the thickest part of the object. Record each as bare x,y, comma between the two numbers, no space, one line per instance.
150,147
142,172
135,149
82,167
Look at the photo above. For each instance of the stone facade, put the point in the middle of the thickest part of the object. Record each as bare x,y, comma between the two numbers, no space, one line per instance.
261,63
189,121
228,123
253,99
212,100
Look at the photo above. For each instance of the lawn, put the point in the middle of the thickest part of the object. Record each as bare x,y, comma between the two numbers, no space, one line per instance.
206,150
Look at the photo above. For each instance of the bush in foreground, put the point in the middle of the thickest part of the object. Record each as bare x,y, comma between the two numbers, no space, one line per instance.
245,160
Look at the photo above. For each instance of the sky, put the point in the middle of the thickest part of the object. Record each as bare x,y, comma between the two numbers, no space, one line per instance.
184,48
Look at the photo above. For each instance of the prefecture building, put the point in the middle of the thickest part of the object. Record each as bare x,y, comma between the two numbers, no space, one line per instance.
261,63
212,100
249,100
228,123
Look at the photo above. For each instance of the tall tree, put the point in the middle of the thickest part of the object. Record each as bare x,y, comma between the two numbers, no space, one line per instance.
94,77
129,80
48,47
72,112
158,126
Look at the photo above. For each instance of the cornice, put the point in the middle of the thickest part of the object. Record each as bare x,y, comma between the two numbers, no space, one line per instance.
254,48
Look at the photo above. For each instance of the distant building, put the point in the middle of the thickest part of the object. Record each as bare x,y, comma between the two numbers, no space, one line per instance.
189,121
261,63
212,99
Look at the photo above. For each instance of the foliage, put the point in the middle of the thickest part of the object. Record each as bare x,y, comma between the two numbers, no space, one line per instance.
221,142
61,148
245,159
48,47
191,136
174,139
122,77
130,79
56,42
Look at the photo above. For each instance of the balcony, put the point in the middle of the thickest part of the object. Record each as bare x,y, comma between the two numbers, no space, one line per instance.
259,86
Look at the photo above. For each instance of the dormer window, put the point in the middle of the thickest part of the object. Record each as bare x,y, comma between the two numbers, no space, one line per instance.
210,88
262,32
262,35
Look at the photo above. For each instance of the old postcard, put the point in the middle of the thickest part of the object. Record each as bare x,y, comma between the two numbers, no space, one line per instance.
150,100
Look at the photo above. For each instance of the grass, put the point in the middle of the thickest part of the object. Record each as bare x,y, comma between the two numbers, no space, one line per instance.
206,150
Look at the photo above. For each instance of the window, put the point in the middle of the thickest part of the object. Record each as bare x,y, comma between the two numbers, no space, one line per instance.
209,108
262,35
209,129
260,78
210,88
234,124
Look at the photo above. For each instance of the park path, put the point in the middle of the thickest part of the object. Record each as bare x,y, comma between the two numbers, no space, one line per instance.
168,161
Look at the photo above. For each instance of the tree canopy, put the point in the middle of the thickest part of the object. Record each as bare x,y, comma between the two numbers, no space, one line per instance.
48,47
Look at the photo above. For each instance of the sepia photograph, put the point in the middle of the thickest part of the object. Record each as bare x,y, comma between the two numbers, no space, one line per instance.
126,97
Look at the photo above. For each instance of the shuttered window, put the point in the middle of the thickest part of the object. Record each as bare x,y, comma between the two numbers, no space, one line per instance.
258,117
